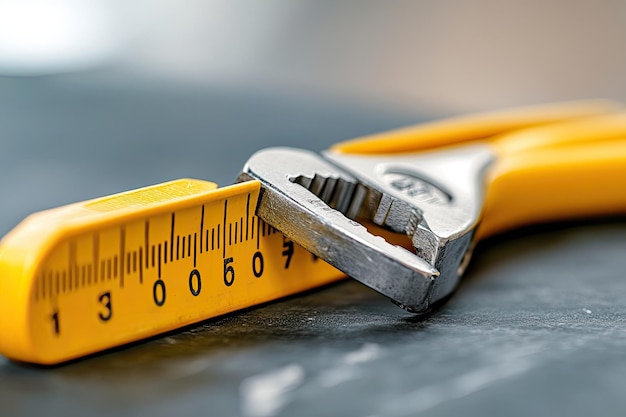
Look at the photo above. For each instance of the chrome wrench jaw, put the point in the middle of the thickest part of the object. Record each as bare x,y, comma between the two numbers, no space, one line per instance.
313,200
287,204
445,186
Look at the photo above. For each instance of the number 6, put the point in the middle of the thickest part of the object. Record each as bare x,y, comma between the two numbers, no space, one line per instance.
228,269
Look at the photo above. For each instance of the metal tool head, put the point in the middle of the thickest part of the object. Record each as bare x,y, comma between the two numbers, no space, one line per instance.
315,201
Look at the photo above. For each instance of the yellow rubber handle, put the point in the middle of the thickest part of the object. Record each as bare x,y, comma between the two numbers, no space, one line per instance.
563,171
555,162
471,128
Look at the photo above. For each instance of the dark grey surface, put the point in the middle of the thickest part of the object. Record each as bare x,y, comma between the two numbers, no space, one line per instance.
537,328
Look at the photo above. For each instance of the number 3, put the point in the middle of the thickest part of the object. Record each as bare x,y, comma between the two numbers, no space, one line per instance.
105,300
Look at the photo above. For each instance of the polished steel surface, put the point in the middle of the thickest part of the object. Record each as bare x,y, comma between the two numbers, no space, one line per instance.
434,198
344,243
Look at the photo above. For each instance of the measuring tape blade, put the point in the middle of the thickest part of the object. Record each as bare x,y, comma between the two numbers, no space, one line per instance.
106,272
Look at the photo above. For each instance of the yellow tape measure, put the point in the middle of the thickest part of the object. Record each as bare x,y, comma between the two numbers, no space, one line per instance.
94,275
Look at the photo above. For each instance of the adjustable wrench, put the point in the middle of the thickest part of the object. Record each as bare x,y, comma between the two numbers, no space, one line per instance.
445,185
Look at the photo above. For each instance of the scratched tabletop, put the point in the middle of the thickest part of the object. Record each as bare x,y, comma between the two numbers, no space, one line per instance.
538,326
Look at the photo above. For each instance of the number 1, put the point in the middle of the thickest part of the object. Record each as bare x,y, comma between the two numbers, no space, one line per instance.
55,322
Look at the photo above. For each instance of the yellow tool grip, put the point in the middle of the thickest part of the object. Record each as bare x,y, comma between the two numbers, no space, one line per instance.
556,162
471,128
562,171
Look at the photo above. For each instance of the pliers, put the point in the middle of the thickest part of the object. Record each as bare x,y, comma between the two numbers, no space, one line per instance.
445,185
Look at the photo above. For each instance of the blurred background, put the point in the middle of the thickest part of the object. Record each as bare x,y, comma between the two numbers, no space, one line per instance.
445,56
99,96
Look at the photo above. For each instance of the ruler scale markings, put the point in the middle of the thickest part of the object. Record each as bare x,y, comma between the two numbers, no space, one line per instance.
122,252
62,280
247,215
152,250
57,283
89,268
172,238
240,229
147,243
252,229
206,241
177,247
109,268
134,261
258,231
140,265
236,227
201,235
115,264
159,261
184,240
218,236
71,261
96,255
188,245
213,238
224,230
230,235
165,252
195,248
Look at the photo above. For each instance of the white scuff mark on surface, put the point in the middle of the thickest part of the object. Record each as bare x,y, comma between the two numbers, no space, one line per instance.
586,310
266,394
366,353
430,396
189,369
336,376
347,369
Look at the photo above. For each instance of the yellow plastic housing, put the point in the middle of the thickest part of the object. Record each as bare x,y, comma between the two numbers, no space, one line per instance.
94,275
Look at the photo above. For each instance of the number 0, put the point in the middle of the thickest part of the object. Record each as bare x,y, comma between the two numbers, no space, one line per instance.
158,292
257,264
195,283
